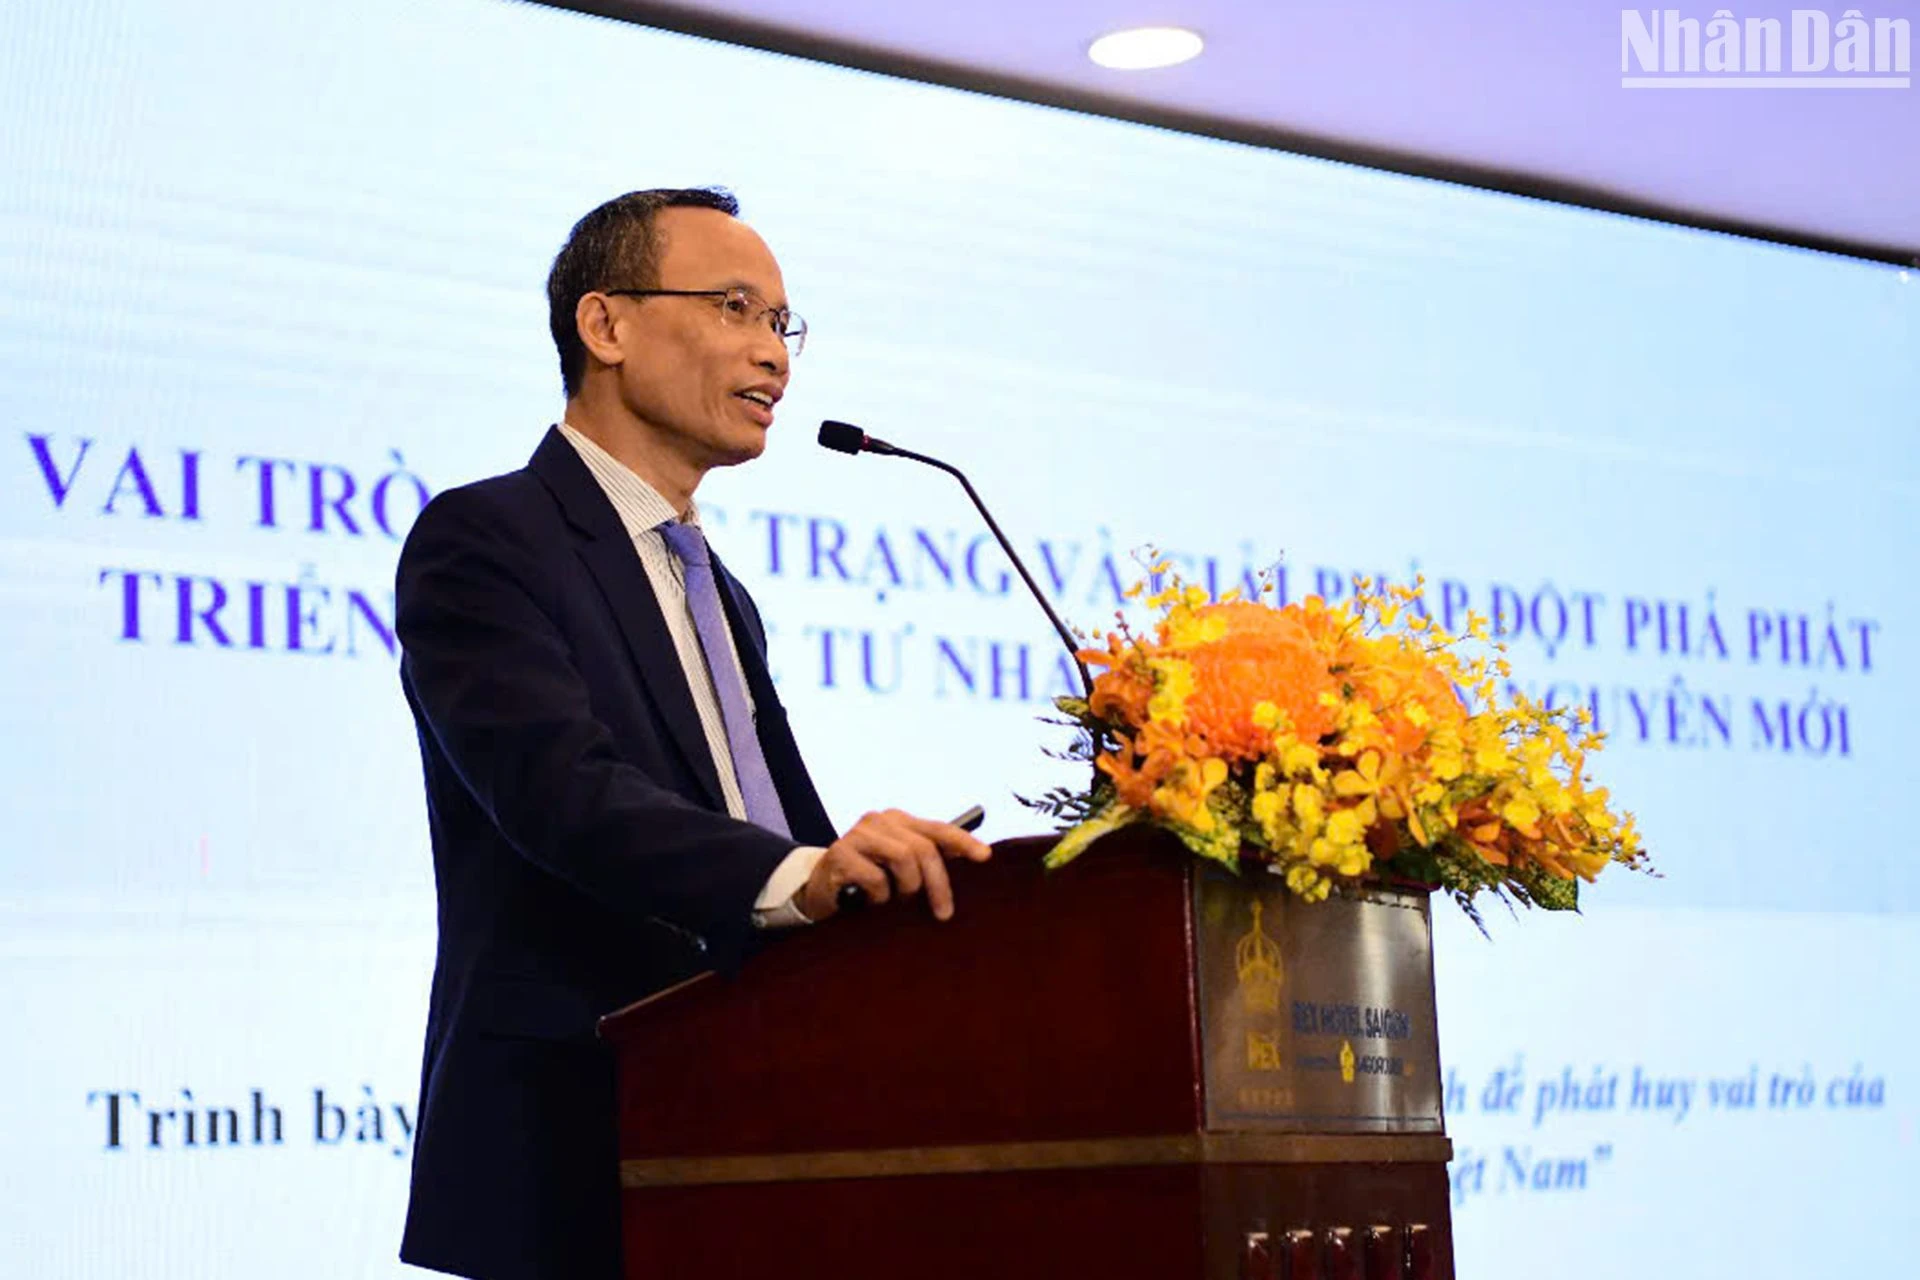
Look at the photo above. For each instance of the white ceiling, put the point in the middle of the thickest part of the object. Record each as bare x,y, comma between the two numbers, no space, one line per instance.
1517,94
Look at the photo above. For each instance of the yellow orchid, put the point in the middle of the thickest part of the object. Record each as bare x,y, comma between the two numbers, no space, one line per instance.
1173,686
1327,737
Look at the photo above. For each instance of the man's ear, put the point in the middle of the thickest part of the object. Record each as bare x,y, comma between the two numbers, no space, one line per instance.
594,320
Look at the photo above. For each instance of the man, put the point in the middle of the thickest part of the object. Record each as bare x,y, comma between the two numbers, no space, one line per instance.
615,798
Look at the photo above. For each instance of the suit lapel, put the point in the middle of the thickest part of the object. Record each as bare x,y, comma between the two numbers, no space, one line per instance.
610,557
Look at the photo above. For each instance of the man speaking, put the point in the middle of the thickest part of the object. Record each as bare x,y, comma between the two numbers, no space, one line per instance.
615,798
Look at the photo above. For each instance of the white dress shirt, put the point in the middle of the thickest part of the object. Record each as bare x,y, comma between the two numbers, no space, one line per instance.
642,510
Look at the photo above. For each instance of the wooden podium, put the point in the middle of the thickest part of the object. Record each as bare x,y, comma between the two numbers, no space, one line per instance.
1134,1066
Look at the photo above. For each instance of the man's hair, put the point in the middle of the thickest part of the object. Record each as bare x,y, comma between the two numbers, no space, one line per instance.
614,247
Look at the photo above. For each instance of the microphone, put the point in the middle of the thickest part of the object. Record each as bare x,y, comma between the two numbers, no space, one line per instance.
844,437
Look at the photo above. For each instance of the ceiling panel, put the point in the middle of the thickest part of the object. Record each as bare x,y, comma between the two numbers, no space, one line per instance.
1519,96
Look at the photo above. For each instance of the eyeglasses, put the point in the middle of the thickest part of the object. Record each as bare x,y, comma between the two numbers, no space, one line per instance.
737,307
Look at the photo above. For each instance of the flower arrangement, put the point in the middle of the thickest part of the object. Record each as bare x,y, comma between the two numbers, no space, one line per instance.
1333,741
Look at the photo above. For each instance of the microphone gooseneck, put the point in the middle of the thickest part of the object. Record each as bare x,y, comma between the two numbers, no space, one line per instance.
844,437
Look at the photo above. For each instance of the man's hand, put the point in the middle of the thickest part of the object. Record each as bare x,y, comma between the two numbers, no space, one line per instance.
887,853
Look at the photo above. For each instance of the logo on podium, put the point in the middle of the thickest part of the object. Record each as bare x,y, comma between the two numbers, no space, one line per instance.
1257,960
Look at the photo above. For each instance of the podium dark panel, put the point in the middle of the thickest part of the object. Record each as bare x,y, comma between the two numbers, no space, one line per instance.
991,1226
1050,1007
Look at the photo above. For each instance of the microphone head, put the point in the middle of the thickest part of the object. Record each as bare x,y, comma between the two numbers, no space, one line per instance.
842,437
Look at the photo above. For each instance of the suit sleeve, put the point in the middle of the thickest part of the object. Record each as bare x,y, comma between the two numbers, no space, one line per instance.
493,681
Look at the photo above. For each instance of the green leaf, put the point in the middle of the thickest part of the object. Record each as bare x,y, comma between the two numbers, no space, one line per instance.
1222,847
1551,893
1075,840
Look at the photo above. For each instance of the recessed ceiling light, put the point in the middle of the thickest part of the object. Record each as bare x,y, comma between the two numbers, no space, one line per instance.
1142,48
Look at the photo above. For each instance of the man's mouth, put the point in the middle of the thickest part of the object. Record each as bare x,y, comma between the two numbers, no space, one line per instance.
760,398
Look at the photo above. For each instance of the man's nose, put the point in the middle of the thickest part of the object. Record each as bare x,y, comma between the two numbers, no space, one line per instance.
770,352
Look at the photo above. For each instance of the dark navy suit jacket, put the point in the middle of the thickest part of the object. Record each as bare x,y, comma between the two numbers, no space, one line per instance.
583,856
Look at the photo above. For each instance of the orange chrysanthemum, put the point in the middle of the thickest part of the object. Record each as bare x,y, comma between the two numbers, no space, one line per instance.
1266,655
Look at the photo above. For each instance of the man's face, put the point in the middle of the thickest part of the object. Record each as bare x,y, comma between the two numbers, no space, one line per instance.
687,369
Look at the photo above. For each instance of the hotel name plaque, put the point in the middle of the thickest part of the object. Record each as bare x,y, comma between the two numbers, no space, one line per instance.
1315,1017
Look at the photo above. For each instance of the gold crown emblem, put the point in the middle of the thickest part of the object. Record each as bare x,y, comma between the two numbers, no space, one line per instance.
1257,958
1346,1061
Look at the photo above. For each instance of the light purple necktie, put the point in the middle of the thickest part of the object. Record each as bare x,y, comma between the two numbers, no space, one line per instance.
710,622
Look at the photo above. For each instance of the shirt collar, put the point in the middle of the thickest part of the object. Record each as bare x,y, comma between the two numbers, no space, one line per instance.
638,504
